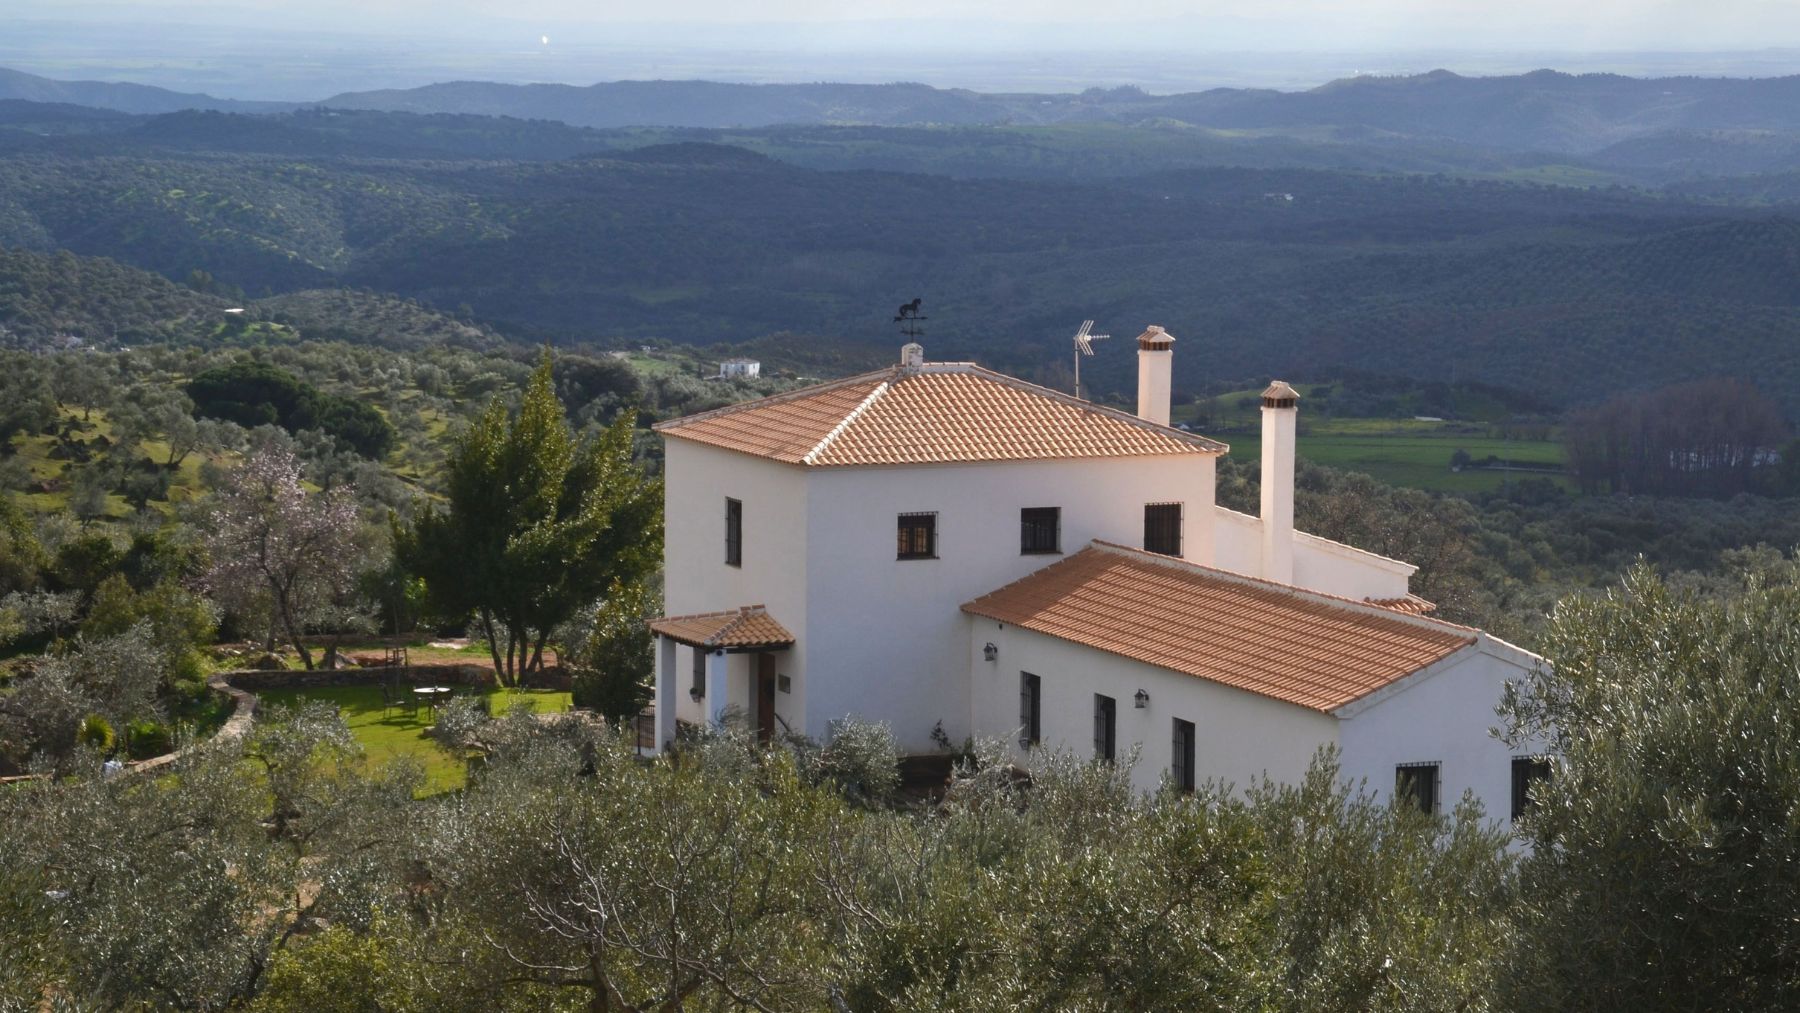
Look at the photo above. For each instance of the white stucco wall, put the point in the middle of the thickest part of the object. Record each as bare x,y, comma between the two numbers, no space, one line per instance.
697,479
886,638
1319,564
1442,715
1239,736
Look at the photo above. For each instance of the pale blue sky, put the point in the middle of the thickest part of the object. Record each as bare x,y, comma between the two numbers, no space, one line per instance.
1234,24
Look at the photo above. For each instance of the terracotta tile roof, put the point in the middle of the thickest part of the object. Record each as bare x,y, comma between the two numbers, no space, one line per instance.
1305,648
1412,604
938,413
747,627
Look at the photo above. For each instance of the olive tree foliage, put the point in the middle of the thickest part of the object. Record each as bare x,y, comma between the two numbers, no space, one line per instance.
1071,891
275,546
1666,864
612,654
539,524
116,677
174,891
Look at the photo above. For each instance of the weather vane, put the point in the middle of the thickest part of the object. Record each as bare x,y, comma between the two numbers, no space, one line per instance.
909,318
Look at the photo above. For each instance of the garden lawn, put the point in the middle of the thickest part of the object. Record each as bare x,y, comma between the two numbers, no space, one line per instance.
385,734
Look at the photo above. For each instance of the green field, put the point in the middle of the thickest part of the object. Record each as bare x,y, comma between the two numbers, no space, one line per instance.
1419,462
1410,452
386,734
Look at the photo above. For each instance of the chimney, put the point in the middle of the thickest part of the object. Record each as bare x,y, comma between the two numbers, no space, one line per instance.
1156,359
1280,421
912,355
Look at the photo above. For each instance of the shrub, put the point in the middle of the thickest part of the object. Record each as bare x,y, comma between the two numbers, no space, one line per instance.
97,733
862,760
145,738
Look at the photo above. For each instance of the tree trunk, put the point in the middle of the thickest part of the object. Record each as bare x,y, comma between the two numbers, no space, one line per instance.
293,630
487,627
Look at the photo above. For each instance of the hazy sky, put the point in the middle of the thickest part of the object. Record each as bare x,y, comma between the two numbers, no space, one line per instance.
1233,24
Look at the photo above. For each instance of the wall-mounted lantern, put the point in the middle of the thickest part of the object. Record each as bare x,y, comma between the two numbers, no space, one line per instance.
1142,699
990,652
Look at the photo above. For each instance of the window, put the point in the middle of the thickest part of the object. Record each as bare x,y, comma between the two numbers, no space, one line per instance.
1181,764
1417,783
1031,700
734,533
1527,770
918,536
1106,711
1162,528
699,688
1040,530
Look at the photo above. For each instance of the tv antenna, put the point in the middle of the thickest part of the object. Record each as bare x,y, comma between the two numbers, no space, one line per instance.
909,317
1084,345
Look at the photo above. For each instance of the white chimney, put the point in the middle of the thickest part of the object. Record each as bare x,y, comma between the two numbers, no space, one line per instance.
912,355
1156,361
1280,422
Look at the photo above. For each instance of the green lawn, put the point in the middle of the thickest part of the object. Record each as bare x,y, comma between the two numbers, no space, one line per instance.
385,734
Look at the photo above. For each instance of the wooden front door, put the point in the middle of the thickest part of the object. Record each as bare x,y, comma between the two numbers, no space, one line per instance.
765,697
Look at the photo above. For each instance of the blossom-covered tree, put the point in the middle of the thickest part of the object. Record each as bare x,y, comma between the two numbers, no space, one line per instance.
275,544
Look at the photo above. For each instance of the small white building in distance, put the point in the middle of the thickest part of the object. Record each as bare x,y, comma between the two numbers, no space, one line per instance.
739,367
936,545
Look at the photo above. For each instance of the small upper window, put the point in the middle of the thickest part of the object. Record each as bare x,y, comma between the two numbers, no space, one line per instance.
918,536
1162,528
1040,530
1526,771
1416,784
734,533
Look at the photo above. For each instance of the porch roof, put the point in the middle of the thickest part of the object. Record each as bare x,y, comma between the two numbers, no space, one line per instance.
747,628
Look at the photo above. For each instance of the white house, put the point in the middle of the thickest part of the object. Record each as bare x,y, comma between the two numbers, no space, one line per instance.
936,545
739,367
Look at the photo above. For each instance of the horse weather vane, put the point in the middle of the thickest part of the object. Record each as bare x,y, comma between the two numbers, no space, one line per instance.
909,317
1084,345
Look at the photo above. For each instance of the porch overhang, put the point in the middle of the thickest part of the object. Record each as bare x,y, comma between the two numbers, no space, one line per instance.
743,630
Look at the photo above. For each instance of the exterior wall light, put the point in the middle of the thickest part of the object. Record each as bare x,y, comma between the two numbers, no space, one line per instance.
990,652
1142,699
696,693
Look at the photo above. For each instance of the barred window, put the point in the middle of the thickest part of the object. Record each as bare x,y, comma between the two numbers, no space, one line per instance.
1040,530
1162,528
734,533
918,536
1417,784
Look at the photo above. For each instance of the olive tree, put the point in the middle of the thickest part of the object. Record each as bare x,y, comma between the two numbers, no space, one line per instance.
1665,842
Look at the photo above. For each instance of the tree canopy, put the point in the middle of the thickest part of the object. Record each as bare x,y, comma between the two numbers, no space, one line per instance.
538,523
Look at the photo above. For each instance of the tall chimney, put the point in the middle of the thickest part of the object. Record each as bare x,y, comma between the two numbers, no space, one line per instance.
1156,360
1280,422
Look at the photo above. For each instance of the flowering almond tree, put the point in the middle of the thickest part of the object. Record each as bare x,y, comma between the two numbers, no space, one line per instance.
275,543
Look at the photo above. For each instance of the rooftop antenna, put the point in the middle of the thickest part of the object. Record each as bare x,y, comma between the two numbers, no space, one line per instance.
1084,346
909,317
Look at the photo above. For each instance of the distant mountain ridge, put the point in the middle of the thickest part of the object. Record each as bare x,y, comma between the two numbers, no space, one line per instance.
1544,110
121,96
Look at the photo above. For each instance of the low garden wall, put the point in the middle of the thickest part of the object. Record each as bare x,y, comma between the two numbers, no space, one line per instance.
256,680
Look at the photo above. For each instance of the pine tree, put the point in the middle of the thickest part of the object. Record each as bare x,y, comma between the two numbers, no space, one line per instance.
539,524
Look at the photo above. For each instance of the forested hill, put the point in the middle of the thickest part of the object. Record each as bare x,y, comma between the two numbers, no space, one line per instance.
1563,292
